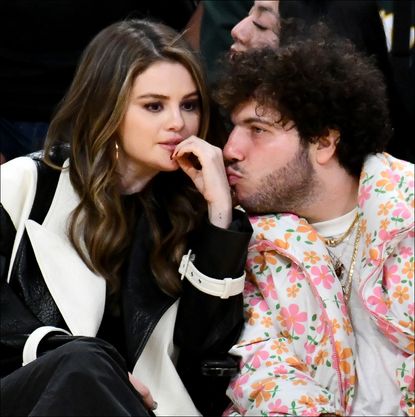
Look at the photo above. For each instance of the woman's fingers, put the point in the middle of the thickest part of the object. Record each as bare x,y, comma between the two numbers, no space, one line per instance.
143,391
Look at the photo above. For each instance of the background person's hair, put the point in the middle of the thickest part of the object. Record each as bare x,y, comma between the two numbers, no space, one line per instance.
89,120
319,82
360,22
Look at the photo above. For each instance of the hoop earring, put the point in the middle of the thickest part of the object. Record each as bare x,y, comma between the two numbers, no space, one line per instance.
116,151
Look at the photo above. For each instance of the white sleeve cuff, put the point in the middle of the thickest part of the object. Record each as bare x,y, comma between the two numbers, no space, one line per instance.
223,288
32,342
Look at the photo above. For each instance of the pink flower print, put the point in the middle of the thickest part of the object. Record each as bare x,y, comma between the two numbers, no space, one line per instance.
258,356
364,195
322,275
401,211
254,219
250,288
405,251
280,370
390,275
268,288
295,274
277,407
410,380
322,326
236,385
377,300
384,235
411,309
309,347
292,318
343,306
310,412
262,305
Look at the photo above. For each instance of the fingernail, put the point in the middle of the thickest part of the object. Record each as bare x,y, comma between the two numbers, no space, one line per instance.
154,406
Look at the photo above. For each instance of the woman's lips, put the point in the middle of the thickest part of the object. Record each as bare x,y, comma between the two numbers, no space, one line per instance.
170,145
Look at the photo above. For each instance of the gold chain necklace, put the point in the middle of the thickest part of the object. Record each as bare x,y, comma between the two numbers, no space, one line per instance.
347,285
332,242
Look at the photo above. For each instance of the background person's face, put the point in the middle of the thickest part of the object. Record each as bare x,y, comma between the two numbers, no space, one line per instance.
260,28
269,169
163,110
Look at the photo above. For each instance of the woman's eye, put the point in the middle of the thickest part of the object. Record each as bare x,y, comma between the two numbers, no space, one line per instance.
153,107
191,105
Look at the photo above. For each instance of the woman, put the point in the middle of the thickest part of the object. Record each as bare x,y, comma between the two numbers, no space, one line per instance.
96,229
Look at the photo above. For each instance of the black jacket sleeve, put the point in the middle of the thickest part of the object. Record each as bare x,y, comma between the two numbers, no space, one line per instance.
207,324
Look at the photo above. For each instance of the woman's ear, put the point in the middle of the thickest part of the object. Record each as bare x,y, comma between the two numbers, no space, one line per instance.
326,146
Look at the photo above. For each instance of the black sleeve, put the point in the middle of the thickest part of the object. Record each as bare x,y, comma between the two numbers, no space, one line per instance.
207,324
7,236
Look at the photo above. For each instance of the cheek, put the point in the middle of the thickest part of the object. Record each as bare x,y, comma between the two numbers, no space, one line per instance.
192,124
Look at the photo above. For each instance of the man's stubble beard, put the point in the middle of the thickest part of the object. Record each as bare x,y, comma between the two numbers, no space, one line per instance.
289,189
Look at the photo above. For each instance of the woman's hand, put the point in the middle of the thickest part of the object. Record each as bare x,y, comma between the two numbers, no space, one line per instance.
203,163
143,391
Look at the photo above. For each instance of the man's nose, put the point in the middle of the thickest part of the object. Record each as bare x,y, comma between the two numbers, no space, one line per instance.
233,150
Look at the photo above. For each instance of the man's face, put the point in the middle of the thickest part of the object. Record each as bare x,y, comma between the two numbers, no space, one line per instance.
269,170
260,28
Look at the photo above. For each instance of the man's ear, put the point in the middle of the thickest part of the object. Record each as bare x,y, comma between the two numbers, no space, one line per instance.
326,146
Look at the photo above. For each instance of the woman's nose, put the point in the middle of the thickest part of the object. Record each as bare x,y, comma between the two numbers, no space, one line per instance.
176,120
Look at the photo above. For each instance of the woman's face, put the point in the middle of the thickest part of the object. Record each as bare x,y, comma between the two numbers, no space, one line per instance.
163,110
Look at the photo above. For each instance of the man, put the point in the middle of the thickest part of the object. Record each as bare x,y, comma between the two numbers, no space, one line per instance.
329,300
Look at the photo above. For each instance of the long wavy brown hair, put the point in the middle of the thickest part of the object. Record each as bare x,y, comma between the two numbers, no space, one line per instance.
88,120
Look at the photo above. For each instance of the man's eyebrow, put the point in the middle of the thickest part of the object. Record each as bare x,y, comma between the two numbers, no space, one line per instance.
250,120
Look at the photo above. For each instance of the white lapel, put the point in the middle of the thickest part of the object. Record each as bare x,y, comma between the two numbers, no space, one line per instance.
77,291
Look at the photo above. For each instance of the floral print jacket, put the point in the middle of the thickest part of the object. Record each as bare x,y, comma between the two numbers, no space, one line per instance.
297,348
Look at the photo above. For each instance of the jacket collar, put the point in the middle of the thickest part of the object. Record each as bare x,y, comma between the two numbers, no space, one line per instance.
77,291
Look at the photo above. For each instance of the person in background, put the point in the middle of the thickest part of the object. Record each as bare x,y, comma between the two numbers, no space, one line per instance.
273,23
40,44
209,31
329,300
126,212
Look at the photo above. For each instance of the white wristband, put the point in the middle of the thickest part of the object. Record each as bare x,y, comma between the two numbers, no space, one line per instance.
223,288
32,342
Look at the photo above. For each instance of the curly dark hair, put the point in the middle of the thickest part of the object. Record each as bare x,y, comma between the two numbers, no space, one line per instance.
320,82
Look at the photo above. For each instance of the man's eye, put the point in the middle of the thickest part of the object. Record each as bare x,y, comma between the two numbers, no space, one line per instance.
191,105
257,130
153,107
260,27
